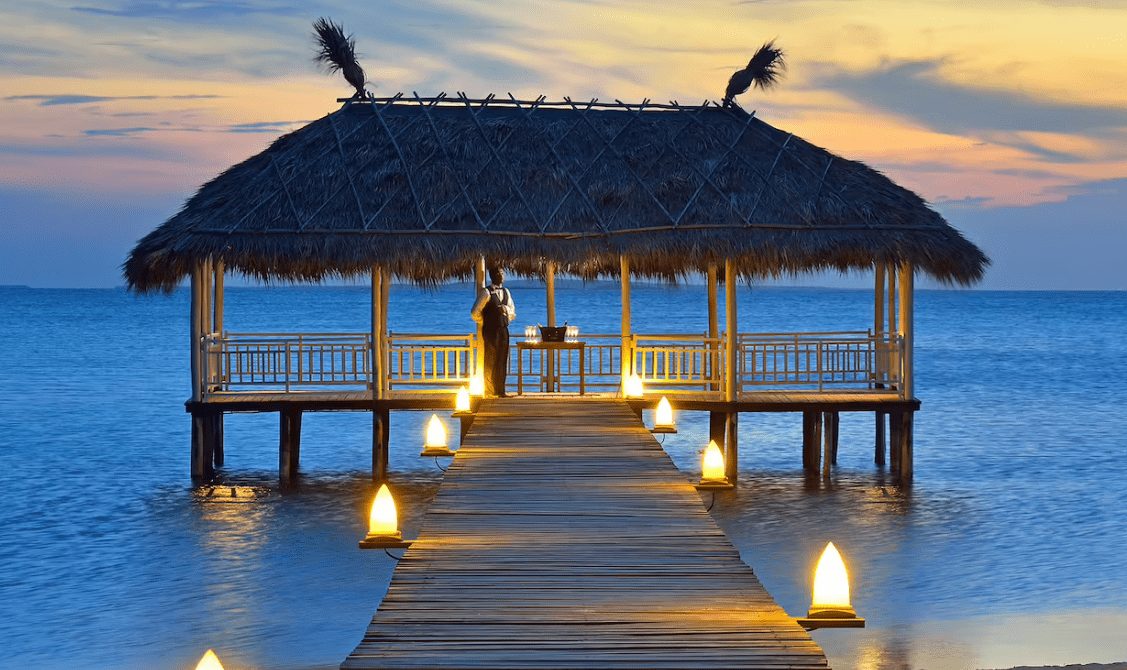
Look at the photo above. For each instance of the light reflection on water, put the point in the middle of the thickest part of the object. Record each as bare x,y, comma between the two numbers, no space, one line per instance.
1007,549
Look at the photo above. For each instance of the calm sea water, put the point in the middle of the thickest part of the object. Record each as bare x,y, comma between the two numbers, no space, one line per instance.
1009,548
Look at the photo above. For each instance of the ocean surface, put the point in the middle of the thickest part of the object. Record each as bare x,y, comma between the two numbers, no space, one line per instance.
1009,548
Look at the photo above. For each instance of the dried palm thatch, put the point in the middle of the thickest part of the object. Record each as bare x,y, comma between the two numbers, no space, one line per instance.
425,187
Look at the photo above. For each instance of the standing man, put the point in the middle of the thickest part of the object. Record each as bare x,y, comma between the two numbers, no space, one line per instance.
494,310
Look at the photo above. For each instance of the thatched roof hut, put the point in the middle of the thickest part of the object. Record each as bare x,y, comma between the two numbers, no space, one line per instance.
426,187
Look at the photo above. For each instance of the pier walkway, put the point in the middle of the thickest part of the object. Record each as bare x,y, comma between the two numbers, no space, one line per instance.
564,537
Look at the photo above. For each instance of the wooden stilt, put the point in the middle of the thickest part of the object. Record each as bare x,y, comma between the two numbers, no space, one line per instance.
467,421
812,441
904,446
832,420
381,425
895,426
827,446
717,425
289,443
878,454
732,447
202,447
217,439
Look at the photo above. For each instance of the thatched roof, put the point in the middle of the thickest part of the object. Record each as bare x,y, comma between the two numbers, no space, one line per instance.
427,186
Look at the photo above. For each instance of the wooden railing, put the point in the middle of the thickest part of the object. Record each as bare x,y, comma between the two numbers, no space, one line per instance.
437,362
847,359
285,361
673,363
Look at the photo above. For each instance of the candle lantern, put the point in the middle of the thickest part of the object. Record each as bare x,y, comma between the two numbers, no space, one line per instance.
383,524
830,606
713,477
663,418
632,386
435,444
209,662
462,403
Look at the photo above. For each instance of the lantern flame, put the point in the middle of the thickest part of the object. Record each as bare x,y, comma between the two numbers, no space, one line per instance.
713,470
831,586
632,387
664,415
477,385
383,521
462,404
209,662
436,433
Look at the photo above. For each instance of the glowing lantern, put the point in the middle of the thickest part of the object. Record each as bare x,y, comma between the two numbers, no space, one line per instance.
209,662
383,523
462,403
663,418
632,387
712,476
436,439
477,385
830,607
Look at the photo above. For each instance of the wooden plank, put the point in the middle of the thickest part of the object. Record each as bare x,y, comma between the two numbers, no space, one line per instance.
564,537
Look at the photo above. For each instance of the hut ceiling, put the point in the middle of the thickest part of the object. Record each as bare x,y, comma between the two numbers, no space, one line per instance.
427,186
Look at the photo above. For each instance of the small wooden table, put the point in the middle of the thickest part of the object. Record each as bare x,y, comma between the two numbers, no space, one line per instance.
551,349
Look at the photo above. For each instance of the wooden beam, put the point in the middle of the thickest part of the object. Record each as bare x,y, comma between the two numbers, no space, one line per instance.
217,456
220,291
907,286
202,444
551,281
375,383
385,307
732,447
904,446
479,283
811,441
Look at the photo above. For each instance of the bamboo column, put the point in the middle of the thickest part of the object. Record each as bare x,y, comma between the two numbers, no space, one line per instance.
881,358
479,283
731,379
217,325
713,325
550,279
907,326
627,332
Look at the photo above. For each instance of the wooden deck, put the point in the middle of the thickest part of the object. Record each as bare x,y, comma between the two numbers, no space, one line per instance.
564,537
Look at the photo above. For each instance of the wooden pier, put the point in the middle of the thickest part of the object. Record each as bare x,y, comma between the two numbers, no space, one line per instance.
564,537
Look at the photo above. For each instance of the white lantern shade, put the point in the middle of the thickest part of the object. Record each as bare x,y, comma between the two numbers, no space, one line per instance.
436,433
462,403
831,584
663,418
713,469
383,521
632,387
209,662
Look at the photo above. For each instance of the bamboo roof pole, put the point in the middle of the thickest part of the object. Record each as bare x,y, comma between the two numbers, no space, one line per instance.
731,386
220,291
551,281
479,349
627,332
385,305
195,322
377,371
907,286
713,323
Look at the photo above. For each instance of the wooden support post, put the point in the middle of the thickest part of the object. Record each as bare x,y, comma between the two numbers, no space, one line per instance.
732,447
196,327
466,421
202,443
385,305
713,326
832,421
904,446
376,371
220,292
717,426
627,331
812,441
907,286
731,377
289,443
479,283
878,454
381,429
895,427
551,290
217,439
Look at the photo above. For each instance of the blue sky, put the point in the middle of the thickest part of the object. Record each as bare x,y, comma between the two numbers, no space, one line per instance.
1010,117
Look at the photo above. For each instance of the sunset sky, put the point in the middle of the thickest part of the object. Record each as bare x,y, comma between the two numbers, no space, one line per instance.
1010,116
